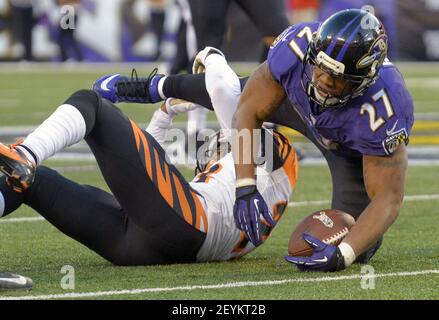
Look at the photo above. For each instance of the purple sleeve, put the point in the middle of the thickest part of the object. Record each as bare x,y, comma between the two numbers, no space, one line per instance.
385,140
395,129
282,60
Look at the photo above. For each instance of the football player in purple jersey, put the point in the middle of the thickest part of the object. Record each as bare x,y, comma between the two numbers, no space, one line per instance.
332,82
353,103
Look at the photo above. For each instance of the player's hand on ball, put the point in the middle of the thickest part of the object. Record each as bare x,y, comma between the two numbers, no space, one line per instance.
248,209
200,59
325,257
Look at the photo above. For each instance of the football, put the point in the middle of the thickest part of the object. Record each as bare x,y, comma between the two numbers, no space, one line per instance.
330,226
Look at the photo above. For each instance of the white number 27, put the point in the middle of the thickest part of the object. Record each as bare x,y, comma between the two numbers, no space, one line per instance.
374,122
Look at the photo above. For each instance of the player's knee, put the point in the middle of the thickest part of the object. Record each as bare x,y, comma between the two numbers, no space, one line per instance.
84,96
87,102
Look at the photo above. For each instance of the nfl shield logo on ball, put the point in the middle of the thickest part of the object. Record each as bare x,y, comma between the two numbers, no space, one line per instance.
324,219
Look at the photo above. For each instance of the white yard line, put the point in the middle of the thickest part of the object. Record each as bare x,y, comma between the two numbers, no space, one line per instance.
14,220
218,286
419,197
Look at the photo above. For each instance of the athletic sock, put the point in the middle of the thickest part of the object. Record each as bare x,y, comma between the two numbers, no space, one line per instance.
66,126
28,154
155,88
160,88
189,87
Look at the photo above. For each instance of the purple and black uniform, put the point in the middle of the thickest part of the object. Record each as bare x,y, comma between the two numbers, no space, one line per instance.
372,124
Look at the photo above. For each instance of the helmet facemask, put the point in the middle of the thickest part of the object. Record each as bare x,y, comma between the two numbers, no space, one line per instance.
216,147
354,85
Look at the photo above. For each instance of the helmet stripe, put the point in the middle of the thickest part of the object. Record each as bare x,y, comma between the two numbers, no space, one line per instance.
334,41
346,45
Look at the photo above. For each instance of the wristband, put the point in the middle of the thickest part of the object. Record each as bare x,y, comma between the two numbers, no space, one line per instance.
244,182
348,253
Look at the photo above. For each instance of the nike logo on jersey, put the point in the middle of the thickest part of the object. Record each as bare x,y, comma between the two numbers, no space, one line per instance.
392,131
104,84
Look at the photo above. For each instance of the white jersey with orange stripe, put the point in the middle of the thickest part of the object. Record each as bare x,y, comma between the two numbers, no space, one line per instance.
216,186
216,189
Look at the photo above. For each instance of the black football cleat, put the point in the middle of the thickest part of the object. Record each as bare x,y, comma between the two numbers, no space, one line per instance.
20,172
119,88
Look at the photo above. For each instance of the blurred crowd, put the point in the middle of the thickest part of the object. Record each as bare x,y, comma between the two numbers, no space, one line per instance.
19,33
174,30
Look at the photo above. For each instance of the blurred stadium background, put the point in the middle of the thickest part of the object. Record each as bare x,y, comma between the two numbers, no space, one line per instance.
128,30
105,36
41,64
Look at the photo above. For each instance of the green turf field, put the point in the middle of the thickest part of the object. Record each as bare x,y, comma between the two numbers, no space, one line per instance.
407,264
38,250
27,97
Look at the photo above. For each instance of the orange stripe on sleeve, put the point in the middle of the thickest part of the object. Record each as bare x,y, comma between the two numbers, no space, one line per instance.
291,168
280,205
281,145
288,156
285,151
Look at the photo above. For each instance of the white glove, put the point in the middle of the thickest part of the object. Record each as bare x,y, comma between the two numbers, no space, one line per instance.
200,59
176,106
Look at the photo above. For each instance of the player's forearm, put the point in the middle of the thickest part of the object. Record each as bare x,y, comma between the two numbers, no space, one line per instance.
244,148
384,179
259,100
379,215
